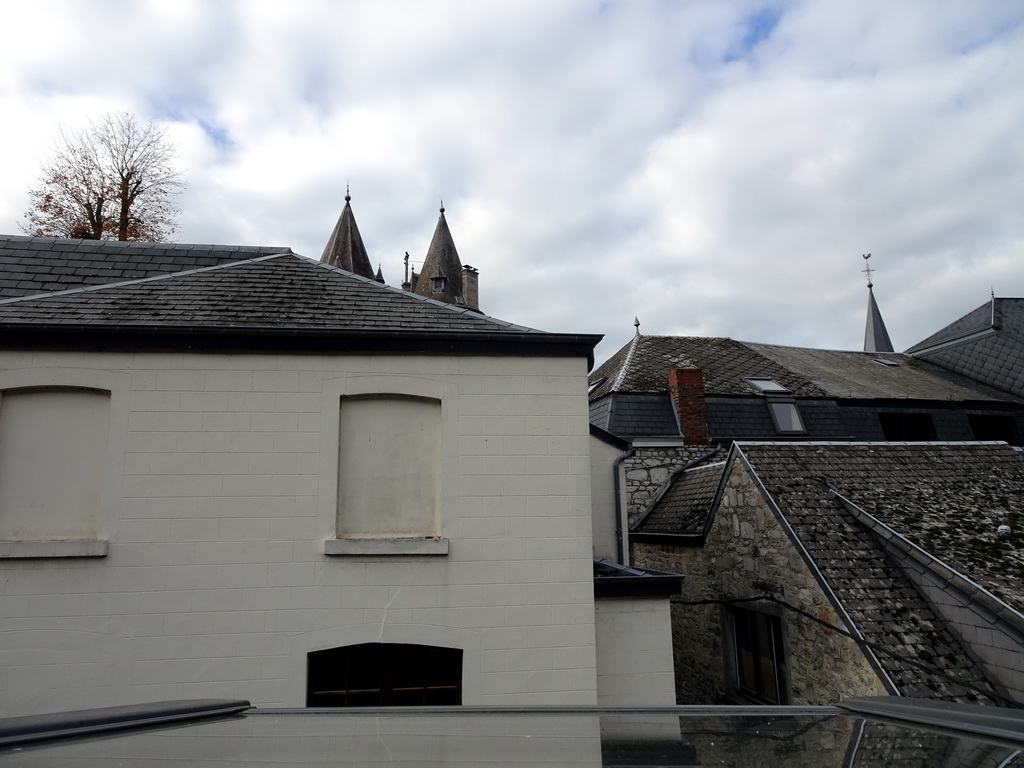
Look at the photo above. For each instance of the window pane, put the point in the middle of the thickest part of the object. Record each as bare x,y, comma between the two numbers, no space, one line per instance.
760,667
787,417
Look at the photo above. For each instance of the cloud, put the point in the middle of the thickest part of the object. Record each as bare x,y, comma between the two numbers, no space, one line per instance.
711,167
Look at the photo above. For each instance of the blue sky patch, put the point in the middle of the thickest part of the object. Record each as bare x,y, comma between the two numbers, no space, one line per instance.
756,28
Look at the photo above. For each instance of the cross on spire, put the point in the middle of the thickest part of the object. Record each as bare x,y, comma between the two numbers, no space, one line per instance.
867,269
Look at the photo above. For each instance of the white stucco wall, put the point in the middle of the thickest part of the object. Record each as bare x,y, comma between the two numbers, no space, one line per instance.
220,492
634,661
602,493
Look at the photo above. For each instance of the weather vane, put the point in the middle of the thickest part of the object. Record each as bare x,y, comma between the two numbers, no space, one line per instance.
867,268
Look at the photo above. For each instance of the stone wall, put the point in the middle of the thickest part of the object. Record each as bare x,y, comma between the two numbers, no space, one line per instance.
648,469
748,554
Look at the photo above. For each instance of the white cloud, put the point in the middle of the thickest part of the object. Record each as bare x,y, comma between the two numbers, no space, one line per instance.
712,167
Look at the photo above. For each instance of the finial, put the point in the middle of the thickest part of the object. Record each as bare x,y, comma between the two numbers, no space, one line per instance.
442,205
407,266
636,324
867,269
348,197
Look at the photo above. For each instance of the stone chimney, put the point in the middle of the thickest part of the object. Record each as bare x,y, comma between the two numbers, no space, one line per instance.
686,386
470,287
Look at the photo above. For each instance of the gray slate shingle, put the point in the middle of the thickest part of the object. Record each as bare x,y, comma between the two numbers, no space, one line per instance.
281,291
946,498
32,265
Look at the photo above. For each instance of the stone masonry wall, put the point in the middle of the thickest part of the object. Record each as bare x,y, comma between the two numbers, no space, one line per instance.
748,554
648,470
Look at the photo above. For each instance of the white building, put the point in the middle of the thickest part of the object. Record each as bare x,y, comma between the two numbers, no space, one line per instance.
239,472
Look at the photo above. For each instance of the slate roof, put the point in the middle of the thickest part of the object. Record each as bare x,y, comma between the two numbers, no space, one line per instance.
280,291
31,265
986,345
684,506
646,415
644,363
948,498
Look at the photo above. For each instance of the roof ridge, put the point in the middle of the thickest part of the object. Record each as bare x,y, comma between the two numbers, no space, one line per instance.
633,344
457,308
150,279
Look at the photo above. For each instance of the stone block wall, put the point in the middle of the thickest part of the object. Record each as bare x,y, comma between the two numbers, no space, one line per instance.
748,554
648,469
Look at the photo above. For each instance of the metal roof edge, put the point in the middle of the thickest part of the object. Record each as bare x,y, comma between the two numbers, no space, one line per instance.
892,540
918,351
298,340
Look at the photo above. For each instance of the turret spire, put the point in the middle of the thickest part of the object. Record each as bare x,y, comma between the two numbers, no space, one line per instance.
442,276
876,337
345,247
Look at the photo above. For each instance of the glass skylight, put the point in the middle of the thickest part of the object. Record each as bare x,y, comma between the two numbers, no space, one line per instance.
768,386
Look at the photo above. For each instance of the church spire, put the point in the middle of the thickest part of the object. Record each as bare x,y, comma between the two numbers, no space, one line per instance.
442,275
876,337
345,248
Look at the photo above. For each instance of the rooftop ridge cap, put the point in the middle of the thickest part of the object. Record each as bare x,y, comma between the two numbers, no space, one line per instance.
129,244
918,349
820,349
633,344
426,299
151,278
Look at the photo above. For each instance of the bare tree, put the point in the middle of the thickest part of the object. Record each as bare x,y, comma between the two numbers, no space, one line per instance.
114,179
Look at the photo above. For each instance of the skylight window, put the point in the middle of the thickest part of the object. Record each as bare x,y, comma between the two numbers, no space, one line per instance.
890,363
766,386
786,417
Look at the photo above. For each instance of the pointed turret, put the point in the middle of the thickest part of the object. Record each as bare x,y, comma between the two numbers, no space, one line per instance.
442,275
345,249
876,338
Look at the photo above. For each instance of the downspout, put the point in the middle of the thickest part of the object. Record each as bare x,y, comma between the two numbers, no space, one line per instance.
619,543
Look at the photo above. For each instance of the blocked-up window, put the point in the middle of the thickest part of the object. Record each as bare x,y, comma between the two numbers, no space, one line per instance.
389,467
53,449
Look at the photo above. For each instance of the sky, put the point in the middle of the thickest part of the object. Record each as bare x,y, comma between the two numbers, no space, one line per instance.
710,168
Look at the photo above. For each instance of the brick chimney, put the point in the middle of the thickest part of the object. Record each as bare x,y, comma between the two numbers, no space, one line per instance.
686,386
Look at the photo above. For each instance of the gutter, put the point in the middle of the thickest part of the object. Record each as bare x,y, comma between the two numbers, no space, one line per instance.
207,338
